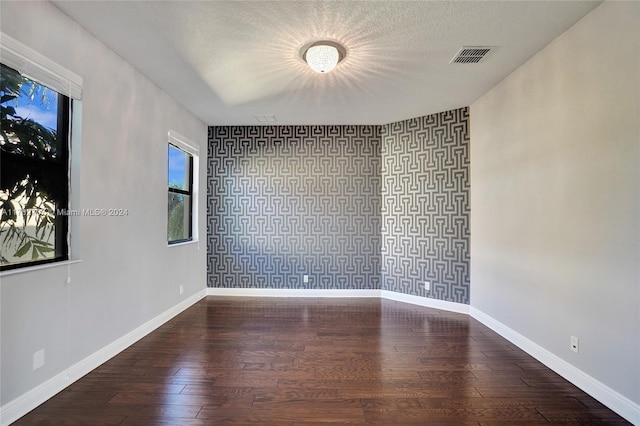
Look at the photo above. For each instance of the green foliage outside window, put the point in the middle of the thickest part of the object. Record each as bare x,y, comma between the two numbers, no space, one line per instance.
175,228
33,174
180,169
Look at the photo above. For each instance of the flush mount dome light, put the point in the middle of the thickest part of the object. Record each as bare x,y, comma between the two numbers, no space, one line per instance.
323,56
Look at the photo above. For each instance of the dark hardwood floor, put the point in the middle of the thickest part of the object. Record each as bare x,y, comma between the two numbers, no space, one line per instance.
275,361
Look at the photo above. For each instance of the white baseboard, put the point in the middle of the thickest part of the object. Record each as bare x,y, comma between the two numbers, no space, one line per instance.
290,292
598,390
612,399
26,402
626,408
426,302
383,294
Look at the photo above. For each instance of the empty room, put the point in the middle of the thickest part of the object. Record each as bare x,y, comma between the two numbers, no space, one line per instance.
320,212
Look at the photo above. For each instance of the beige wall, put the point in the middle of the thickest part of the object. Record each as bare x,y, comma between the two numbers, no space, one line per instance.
128,275
555,198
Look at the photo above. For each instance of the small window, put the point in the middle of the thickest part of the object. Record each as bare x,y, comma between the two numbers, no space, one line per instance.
180,202
34,172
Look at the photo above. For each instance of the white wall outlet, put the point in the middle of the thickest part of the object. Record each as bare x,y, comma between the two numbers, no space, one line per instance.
575,344
427,285
305,278
38,359
181,289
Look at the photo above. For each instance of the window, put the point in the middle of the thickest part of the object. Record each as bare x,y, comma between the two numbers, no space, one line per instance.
182,190
34,171
39,102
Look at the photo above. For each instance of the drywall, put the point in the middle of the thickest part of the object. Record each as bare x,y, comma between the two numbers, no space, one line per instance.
352,207
425,206
127,274
289,201
555,198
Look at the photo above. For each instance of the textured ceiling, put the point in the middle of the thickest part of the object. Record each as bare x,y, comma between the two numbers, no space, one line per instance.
230,61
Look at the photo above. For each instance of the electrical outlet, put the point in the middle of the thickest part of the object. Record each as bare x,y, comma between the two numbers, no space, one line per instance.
305,278
181,289
574,342
427,285
38,359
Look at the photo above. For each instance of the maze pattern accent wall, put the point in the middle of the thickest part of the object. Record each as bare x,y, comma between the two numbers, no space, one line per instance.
425,210
288,201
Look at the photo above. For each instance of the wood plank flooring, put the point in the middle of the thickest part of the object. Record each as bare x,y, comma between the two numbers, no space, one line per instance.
274,361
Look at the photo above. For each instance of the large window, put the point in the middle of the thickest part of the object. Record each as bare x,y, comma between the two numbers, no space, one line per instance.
34,171
181,191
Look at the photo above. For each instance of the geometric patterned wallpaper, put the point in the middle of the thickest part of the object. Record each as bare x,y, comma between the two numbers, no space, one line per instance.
288,201
425,206
353,207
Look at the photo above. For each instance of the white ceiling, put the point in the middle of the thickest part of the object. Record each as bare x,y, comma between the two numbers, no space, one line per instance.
228,61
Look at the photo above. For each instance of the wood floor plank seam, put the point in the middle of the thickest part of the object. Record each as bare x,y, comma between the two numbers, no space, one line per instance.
302,362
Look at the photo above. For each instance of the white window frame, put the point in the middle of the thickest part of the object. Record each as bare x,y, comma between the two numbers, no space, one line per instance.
177,140
39,68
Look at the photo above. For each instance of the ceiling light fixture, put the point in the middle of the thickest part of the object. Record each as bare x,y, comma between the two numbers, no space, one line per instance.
323,56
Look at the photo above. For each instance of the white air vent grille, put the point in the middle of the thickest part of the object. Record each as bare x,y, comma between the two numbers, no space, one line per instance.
471,55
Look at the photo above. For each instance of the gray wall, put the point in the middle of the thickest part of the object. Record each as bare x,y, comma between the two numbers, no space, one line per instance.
285,201
425,207
556,198
353,207
128,275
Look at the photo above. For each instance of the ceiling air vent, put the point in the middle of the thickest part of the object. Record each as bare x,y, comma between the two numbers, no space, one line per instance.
471,55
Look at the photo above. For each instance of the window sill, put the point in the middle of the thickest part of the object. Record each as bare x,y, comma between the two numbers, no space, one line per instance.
39,267
185,243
